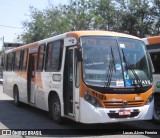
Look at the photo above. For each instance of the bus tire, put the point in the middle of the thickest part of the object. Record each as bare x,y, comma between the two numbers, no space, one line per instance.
16,96
55,109
156,113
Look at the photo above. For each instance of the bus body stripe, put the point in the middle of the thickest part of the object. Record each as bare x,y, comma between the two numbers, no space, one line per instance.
154,40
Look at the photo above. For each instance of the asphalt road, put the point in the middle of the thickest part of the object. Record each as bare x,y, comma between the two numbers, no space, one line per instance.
29,118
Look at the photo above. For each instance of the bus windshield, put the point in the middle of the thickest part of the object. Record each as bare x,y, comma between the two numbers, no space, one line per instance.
115,62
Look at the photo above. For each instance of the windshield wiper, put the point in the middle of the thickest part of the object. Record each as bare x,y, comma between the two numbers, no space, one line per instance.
133,70
110,70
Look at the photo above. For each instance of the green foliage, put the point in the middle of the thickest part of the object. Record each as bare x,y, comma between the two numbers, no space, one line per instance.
34,27
105,15
43,24
80,14
137,17
156,14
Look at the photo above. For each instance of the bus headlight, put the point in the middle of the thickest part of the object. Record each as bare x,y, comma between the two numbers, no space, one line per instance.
92,100
149,100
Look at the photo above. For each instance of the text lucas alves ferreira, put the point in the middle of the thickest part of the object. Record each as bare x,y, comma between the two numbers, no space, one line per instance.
140,132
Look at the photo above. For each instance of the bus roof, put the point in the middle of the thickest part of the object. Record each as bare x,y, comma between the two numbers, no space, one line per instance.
151,40
76,34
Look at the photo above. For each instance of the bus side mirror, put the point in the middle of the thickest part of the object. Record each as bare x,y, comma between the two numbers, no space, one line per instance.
79,55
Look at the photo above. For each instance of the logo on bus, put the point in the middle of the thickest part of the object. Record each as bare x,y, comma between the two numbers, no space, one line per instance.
72,41
118,66
125,103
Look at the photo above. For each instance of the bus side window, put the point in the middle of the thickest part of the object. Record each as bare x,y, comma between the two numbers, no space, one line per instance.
40,57
9,61
156,61
17,61
24,59
54,56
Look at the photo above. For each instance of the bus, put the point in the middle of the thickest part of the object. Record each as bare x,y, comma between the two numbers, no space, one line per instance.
153,46
86,76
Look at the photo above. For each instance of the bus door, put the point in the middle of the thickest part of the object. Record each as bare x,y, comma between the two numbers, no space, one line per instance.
31,78
69,83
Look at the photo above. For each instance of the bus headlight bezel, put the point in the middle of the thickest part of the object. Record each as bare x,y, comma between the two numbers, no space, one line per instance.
149,100
91,99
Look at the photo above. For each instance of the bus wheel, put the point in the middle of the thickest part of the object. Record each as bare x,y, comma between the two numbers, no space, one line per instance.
156,113
16,96
56,109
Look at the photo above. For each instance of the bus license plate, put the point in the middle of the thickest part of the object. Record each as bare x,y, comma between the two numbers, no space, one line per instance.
124,112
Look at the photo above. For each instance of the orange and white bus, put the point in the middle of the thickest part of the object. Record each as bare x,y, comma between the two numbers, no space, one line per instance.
153,46
86,76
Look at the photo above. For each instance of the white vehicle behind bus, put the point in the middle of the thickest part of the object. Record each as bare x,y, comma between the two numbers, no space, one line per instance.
153,46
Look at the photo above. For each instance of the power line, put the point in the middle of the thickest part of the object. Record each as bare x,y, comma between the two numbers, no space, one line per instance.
10,27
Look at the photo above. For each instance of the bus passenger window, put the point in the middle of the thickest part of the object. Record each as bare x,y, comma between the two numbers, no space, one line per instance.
9,62
54,56
41,57
24,59
156,61
17,60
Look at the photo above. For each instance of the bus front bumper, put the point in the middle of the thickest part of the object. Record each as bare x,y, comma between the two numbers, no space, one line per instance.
91,114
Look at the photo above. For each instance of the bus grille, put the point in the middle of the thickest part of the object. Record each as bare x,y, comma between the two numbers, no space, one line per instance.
117,104
122,104
99,96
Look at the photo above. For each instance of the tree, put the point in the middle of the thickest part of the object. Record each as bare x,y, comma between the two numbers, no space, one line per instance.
43,24
105,15
80,14
137,18
34,29
156,14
